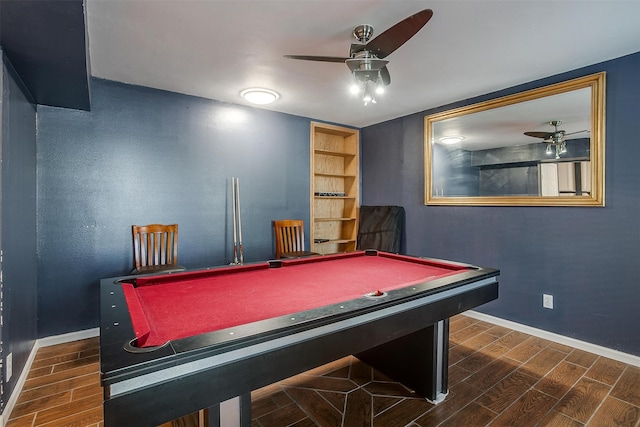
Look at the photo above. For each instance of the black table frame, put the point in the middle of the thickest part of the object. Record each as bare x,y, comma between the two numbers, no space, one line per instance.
405,336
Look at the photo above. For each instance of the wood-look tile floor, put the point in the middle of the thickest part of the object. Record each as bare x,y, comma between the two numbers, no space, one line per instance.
62,388
497,377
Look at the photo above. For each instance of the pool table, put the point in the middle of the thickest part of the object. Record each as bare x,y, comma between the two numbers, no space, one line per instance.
171,344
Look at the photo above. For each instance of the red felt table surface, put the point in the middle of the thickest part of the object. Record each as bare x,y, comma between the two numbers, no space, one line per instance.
191,304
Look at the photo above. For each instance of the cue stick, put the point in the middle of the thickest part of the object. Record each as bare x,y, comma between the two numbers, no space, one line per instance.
233,213
239,221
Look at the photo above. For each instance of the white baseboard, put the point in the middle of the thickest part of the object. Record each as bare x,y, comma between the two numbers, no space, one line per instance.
629,359
40,343
71,336
13,398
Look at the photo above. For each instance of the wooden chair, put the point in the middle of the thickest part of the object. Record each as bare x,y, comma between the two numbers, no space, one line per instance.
155,248
290,239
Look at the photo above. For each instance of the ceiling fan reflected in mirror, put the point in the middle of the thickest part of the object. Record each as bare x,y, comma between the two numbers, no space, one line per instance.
555,139
366,58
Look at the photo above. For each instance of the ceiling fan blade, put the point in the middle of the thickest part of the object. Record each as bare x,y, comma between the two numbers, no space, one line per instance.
543,135
317,58
396,36
580,131
386,77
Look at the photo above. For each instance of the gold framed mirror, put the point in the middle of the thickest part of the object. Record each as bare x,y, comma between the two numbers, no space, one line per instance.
542,147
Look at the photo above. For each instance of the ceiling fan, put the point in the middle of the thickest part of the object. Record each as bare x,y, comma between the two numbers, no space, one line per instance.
366,58
554,139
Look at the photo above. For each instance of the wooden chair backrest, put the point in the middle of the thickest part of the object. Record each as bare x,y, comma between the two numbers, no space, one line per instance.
155,244
289,236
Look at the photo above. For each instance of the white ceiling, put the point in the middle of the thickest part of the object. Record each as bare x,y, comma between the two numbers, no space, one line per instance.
216,48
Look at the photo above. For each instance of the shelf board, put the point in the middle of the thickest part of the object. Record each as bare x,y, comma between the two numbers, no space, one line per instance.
334,197
333,153
335,175
333,219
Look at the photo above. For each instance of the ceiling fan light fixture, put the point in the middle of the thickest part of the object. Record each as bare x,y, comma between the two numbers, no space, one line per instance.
260,96
369,84
367,95
563,147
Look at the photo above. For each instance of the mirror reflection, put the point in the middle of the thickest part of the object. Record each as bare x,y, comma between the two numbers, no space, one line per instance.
541,147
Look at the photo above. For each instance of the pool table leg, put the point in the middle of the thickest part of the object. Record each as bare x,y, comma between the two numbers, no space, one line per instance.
418,360
232,412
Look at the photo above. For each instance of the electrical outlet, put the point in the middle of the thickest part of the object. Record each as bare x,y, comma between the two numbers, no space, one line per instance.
9,366
547,301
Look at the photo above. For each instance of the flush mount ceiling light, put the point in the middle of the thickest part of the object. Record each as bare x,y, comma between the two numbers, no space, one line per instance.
260,96
451,139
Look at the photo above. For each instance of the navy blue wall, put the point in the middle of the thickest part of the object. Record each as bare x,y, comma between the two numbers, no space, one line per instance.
588,258
144,156
18,223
